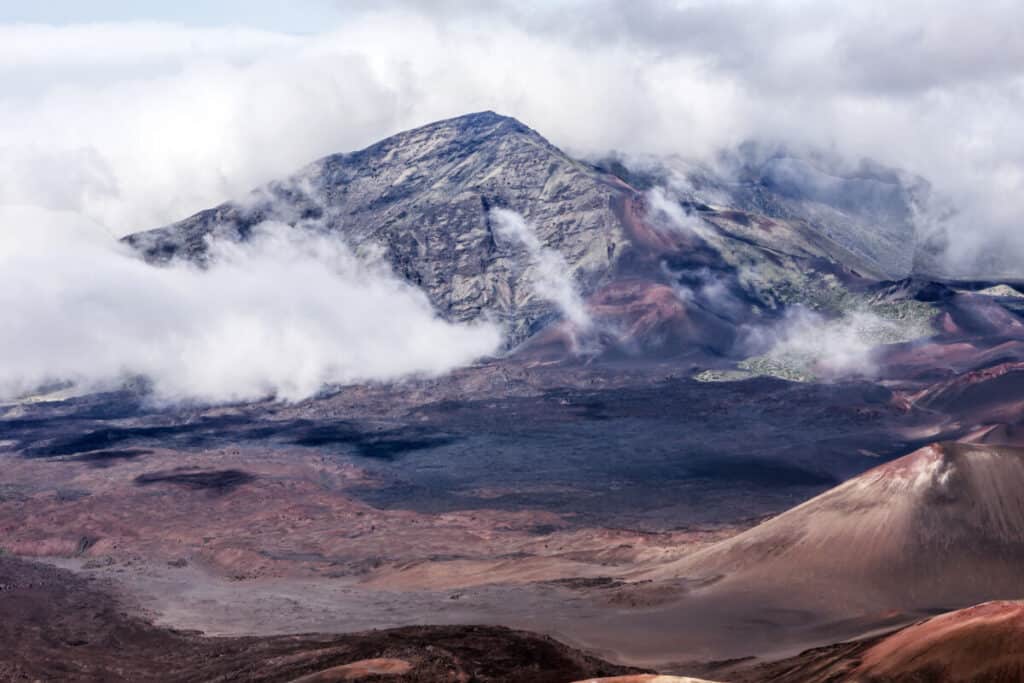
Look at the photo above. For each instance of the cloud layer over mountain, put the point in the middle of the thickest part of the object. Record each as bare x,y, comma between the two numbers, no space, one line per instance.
132,125
280,315
138,124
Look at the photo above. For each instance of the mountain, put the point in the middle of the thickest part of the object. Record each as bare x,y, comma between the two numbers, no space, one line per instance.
627,482
425,197
667,269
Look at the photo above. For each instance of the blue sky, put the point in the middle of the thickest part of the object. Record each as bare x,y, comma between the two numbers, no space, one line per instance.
295,16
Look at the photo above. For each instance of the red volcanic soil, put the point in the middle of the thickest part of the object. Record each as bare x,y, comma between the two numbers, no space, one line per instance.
941,359
975,333
979,406
56,626
652,317
636,317
632,210
982,644
943,526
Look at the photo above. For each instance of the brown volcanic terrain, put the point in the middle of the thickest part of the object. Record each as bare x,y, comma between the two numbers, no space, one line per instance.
938,529
983,644
530,507
56,626
490,497
249,514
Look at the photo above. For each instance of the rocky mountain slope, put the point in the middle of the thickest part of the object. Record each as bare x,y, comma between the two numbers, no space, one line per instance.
670,257
863,216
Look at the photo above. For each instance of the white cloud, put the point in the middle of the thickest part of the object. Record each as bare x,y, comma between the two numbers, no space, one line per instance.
844,346
150,122
807,344
667,213
280,315
130,126
128,49
549,274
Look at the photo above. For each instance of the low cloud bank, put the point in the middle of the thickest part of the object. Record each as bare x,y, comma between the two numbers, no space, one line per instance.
280,315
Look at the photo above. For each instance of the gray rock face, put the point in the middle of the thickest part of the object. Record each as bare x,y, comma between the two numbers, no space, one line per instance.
425,196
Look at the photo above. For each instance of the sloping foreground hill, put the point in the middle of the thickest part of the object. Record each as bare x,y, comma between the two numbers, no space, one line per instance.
982,644
942,527
56,626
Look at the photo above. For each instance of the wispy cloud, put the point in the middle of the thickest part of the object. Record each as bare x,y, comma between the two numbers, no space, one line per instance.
549,274
807,344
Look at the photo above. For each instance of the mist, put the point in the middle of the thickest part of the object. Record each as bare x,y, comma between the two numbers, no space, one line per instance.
813,345
278,316
548,273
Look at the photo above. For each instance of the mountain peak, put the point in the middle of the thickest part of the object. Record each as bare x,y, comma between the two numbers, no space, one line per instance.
487,120
485,117
458,135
